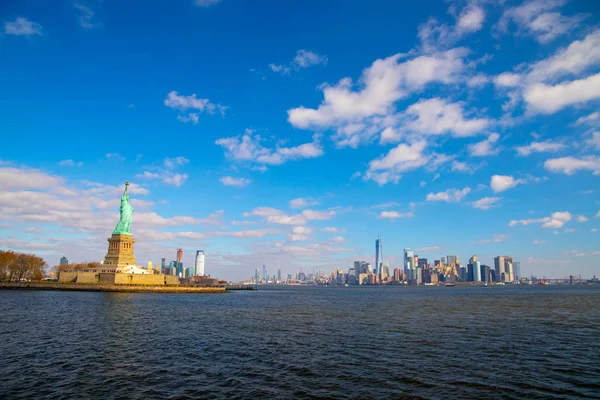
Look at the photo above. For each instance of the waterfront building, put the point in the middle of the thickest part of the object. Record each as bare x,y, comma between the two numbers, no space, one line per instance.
162,265
378,255
452,260
476,271
517,270
422,262
64,261
278,274
409,262
199,264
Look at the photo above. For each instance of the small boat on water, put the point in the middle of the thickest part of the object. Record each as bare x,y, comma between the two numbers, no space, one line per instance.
484,285
449,285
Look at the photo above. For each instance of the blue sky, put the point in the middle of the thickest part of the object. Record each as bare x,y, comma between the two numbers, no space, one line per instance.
290,133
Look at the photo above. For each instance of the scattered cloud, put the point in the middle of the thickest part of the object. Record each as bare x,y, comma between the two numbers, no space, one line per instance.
540,19
331,229
237,182
570,165
486,203
22,27
402,158
587,119
450,195
539,242
303,59
70,163
582,218
87,18
192,102
275,216
500,183
485,147
546,99
392,215
248,148
303,202
115,156
167,172
359,112
556,220
540,147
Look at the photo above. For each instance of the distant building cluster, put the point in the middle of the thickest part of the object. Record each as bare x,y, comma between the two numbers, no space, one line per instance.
414,271
177,268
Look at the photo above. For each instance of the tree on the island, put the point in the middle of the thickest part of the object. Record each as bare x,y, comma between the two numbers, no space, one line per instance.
20,266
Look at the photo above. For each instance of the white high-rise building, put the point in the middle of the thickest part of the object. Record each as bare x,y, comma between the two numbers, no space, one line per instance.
199,266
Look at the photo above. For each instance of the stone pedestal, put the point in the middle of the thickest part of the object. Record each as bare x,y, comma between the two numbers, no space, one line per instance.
120,251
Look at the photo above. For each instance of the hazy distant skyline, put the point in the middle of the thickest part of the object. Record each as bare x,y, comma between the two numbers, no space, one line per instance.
291,133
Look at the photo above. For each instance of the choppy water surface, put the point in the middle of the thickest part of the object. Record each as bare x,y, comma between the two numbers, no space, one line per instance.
303,342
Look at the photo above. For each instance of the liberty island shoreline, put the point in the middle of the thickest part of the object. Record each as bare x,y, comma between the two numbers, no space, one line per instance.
83,287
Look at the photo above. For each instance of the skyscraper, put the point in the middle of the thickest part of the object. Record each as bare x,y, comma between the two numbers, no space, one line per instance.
517,268
265,276
409,264
378,253
162,265
199,265
64,261
452,260
278,274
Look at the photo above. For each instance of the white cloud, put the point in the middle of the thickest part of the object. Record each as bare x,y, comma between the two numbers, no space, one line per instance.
394,215
556,220
539,147
588,118
70,163
27,179
388,168
331,229
184,103
87,17
295,237
359,112
545,99
594,140
471,18
450,195
507,79
436,116
582,218
237,182
539,18
486,203
22,27
459,166
597,215
168,172
570,165
248,148
303,202
594,230
191,117
115,156
486,147
540,85
435,35
275,216
305,59
304,230
500,183
539,242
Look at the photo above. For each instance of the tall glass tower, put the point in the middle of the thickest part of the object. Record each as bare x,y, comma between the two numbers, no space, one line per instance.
199,265
378,255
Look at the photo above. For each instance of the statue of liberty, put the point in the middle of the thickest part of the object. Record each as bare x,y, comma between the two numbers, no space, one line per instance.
126,214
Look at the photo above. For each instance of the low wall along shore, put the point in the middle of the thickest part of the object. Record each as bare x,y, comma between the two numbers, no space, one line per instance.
108,287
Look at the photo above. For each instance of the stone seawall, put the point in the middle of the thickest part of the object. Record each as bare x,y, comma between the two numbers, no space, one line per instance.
107,288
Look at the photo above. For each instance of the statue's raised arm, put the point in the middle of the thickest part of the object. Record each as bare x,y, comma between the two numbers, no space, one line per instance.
126,210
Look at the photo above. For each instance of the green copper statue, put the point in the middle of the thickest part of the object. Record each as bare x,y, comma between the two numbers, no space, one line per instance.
126,214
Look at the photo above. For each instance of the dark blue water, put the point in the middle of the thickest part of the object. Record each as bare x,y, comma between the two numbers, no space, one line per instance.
296,342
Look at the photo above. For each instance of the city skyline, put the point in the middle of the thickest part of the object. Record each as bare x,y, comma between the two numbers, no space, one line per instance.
296,133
